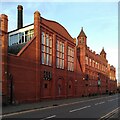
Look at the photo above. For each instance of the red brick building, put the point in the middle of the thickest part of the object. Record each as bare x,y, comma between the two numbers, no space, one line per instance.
42,61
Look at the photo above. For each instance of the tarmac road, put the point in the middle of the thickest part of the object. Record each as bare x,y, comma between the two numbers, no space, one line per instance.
90,108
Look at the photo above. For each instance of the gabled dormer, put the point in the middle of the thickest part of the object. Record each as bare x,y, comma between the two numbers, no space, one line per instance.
82,38
103,53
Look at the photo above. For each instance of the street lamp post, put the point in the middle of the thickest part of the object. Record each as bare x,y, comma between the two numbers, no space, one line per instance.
99,84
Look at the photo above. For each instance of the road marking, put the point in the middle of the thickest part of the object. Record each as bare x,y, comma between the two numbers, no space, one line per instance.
39,109
27,111
80,108
99,103
109,114
113,99
48,117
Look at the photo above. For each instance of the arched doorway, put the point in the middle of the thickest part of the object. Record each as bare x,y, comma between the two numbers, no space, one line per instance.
70,88
60,87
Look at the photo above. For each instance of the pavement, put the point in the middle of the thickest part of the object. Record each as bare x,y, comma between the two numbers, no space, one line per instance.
45,103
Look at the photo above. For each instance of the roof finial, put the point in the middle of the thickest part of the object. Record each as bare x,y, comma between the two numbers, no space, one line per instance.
82,28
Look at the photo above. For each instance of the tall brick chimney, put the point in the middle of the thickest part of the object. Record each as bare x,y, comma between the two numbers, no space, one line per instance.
38,53
20,17
4,48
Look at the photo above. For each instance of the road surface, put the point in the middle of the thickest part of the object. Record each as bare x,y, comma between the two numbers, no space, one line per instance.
90,108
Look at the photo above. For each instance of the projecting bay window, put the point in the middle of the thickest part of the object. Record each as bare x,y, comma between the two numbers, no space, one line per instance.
46,47
60,54
70,59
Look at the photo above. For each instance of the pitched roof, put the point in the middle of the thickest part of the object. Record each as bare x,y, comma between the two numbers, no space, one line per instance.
15,49
82,33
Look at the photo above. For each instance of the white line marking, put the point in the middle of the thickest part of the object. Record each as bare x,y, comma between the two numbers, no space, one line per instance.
113,99
39,109
99,103
49,117
79,108
27,111
106,116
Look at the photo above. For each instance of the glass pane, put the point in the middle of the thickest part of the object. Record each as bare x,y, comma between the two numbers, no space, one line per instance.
60,63
57,54
43,58
43,42
50,50
47,40
63,64
47,49
50,60
57,45
68,58
68,65
47,59
57,62
60,47
73,53
73,59
50,43
62,56
68,51
43,48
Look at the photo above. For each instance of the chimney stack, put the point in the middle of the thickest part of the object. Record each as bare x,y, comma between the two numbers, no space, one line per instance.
20,17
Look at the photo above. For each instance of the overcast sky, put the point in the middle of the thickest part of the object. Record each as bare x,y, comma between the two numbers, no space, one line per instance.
99,21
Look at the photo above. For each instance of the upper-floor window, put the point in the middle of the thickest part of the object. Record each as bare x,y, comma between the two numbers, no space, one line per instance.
29,34
46,48
98,66
86,59
60,54
93,62
13,39
90,61
70,59
21,37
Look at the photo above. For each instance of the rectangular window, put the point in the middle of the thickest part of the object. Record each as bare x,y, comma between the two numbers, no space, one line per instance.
60,54
14,39
29,34
46,47
93,63
43,58
86,60
45,85
90,61
43,38
70,59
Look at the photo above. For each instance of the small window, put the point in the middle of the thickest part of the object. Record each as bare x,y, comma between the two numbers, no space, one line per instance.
45,86
69,86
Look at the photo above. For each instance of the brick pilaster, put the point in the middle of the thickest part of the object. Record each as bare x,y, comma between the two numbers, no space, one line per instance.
4,51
